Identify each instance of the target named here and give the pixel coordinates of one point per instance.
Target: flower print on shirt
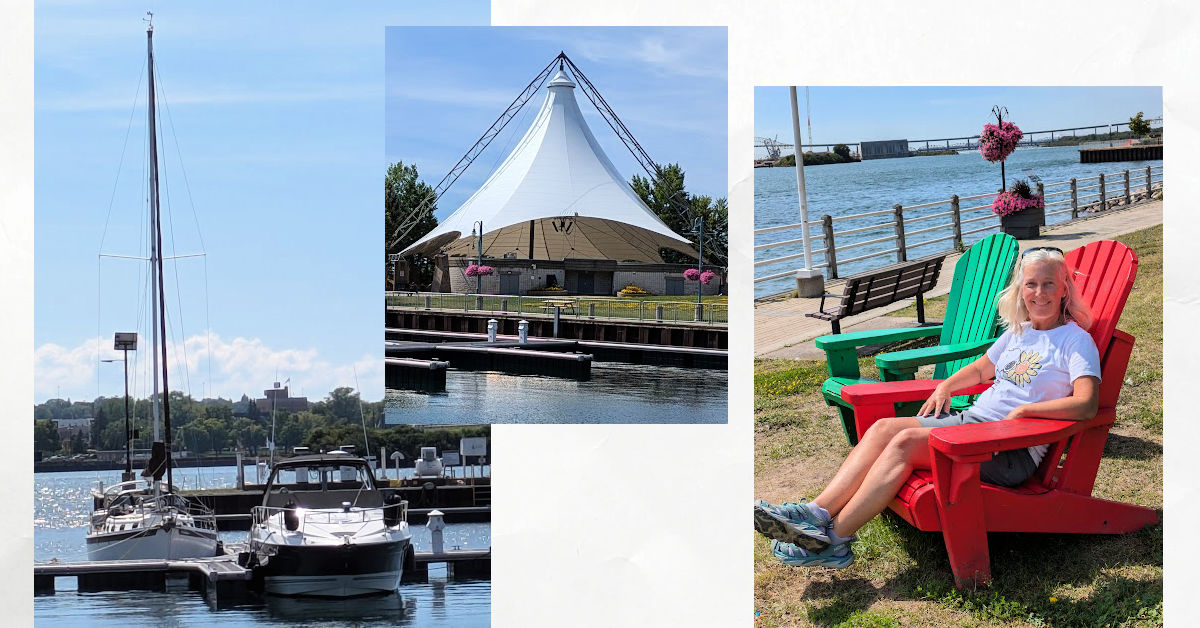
(1024, 369)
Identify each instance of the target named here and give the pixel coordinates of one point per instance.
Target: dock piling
(493, 325)
(523, 331)
(436, 526)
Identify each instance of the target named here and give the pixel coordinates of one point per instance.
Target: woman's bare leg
(850, 476)
(905, 451)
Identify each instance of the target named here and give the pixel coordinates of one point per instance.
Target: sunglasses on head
(1042, 248)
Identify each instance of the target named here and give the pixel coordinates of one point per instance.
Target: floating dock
(600, 350)
(221, 579)
(1137, 152)
(647, 332)
(405, 360)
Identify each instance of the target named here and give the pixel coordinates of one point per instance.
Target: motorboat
(326, 529)
(132, 521)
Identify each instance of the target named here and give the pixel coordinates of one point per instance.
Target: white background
(649, 525)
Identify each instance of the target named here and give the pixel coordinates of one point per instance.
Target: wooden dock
(600, 350)
(220, 578)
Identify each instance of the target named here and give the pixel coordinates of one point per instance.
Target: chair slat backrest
(1104, 272)
(979, 275)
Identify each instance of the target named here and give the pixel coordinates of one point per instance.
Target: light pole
(478, 255)
(126, 342)
(700, 261)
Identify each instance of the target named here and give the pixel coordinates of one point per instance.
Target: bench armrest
(899, 364)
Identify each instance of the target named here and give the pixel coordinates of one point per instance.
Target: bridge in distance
(772, 148)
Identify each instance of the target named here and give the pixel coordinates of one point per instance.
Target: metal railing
(1122, 187)
(565, 307)
(264, 514)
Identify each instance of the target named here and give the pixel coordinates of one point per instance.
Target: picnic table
(565, 305)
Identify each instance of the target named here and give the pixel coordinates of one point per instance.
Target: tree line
(209, 426)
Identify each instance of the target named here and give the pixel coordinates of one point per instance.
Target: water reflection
(616, 393)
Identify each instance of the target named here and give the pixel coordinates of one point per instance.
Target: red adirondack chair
(1058, 498)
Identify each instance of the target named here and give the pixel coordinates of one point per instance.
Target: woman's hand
(1017, 412)
(938, 402)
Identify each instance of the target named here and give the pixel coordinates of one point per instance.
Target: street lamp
(478, 255)
(126, 342)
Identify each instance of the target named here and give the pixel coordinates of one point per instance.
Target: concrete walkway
(781, 329)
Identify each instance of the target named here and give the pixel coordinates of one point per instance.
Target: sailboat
(133, 520)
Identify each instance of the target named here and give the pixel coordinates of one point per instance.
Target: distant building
(277, 398)
(884, 149)
(67, 428)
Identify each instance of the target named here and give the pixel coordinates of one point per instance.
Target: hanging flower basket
(997, 142)
(707, 276)
(1021, 211)
(480, 270)
(692, 274)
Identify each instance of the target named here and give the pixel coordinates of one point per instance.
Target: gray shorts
(1006, 468)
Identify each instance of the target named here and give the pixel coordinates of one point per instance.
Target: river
(62, 506)
(878, 184)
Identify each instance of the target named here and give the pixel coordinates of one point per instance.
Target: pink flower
(479, 271)
(707, 276)
(692, 274)
(997, 142)
(1009, 202)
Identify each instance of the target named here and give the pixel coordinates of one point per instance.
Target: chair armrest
(897, 392)
(907, 362)
(874, 337)
(973, 439)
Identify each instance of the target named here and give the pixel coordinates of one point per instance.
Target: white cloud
(237, 366)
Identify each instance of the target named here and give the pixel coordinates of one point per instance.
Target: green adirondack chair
(969, 328)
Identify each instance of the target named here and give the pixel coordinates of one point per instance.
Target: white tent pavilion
(555, 197)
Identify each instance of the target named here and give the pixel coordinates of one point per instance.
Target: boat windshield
(323, 476)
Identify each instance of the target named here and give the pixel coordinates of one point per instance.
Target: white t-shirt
(1037, 366)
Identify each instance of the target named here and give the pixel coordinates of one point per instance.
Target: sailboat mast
(152, 160)
(156, 264)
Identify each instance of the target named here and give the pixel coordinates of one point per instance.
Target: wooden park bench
(883, 286)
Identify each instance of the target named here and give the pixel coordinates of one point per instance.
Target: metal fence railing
(894, 238)
(567, 307)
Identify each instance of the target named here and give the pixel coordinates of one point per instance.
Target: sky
(854, 114)
(272, 134)
(446, 86)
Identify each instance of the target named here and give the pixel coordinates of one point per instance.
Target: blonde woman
(1045, 364)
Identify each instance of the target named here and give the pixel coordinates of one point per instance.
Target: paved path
(781, 330)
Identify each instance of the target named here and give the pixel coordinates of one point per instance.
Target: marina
(456, 575)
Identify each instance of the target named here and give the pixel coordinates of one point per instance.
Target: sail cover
(557, 186)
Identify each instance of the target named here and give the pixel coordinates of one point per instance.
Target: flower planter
(1024, 224)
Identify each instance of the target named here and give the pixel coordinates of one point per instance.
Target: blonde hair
(1011, 307)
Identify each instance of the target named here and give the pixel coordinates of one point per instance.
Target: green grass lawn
(902, 577)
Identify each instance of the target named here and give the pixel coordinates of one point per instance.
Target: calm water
(616, 393)
(62, 503)
(876, 185)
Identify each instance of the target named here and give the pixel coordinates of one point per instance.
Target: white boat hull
(153, 543)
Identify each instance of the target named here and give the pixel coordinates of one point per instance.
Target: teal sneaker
(835, 556)
(792, 523)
